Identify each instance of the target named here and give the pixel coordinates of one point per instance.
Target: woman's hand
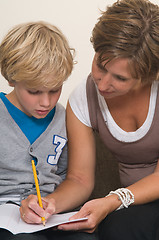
(31, 212)
(95, 210)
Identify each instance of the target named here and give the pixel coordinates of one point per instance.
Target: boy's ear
(11, 83)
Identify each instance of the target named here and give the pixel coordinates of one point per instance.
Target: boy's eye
(54, 91)
(33, 92)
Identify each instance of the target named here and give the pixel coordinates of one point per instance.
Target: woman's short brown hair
(130, 29)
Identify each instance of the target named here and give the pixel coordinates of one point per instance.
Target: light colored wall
(76, 18)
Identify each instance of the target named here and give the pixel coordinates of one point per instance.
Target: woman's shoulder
(78, 95)
(79, 90)
(78, 103)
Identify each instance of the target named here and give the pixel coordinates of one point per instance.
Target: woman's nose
(104, 82)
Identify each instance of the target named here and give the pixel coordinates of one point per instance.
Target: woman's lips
(103, 93)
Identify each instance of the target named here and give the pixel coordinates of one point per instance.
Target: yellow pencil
(37, 189)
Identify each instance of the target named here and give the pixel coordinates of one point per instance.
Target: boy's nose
(45, 100)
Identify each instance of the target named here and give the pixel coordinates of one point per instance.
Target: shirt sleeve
(79, 105)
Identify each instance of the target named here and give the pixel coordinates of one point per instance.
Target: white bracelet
(125, 196)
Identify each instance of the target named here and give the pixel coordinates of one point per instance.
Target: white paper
(10, 219)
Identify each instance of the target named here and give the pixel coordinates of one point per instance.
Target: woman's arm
(144, 191)
(147, 189)
(79, 182)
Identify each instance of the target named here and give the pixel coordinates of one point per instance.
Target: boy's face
(34, 102)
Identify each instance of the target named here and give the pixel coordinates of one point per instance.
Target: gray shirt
(16, 153)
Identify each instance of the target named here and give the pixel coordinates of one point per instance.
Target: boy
(35, 59)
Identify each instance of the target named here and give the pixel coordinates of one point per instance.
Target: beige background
(75, 18)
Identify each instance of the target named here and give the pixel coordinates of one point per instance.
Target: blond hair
(32, 52)
(130, 29)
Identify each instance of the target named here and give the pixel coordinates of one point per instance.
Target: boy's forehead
(44, 89)
(44, 84)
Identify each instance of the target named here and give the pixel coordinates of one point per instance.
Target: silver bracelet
(125, 196)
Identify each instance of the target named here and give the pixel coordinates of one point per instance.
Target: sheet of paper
(10, 219)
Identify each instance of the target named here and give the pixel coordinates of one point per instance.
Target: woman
(119, 100)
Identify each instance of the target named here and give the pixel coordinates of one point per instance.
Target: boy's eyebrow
(56, 88)
(43, 90)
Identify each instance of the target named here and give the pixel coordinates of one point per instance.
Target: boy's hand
(31, 212)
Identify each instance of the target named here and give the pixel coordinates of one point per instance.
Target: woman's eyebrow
(121, 77)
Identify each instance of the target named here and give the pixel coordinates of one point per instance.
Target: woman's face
(113, 79)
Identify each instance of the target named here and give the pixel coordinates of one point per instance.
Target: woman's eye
(121, 78)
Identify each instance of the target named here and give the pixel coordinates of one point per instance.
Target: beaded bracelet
(125, 196)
